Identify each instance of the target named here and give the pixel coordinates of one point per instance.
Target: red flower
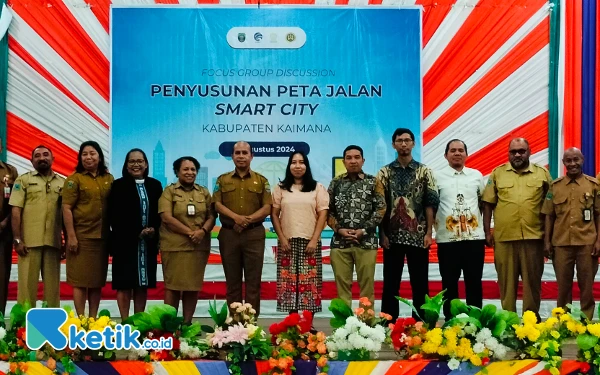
(307, 315)
(410, 321)
(584, 367)
(21, 333)
(176, 342)
(485, 361)
(312, 262)
(292, 320)
(274, 329)
(285, 262)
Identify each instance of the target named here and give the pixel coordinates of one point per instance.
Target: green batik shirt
(408, 191)
(355, 204)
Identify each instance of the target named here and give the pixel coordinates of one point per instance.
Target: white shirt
(458, 217)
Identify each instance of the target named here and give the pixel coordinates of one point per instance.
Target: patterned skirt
(299, 277)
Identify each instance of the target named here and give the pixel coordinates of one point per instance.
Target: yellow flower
(442, 350)
(554, 371)
(558, 311)
(429, 347)
(565, 318)
(572, 326)
(521, 332)
(581, 329)
(555, 334)
(594, 329)
(529, 317)
(434, 336)
(587, 355)
(550, 322)
(533, 334)
(542, 353)
(475, 360)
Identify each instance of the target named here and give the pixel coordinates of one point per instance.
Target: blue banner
(193, 81)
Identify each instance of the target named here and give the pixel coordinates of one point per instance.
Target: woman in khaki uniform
(187, 218)
(84, 203)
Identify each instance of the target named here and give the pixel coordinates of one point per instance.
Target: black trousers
(465, 256)
(417, 259)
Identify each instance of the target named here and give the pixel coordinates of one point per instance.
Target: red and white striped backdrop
(485, 80)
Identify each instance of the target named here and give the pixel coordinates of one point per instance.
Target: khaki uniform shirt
(6, 169)
(518, 198)
(88, 197)
(40, 199)
(242, 195)
(566, 201)
(175, 200)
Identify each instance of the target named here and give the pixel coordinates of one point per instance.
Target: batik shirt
(408, 191)
(355, 204)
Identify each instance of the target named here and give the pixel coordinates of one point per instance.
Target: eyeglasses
(134, 162)
(403, 140)
(521, 151)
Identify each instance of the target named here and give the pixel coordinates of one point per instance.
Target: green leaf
(207, 329)
(586, 341)
(108, 354)
(509, 317)
(466, 320)
(337, 323)
(104, 312)
(409, 304)
(474, 312)
(170, 323)
(162, 309)
(44, 304)
(340, 309)
(191, 330)
(499, 329)
(17, 316)
(458, 307)
(487, 314)
(576, 313)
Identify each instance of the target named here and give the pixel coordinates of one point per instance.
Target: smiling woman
(134, 220)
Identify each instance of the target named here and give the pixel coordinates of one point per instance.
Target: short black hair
(177, 163)
(401, 131)
(456, 140)
(102, 169)
(124, 171)
(40, 146)
(353, 147)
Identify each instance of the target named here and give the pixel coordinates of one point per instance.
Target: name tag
(191, 210)
(7, 192)
(587, 215)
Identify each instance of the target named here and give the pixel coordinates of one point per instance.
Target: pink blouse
(299, 211)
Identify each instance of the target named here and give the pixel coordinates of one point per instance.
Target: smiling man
(459, 226)
(515, 193)
(243, 200)
(36, 225)
(572, 209)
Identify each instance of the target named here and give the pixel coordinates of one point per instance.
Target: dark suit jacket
(125, 214)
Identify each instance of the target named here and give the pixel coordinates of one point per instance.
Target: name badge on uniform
(191, 209)
(7, 192)
(587, 215)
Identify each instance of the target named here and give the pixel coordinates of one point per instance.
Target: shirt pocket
(34, 193)
(256, 191)
(228, 192)
(201, 208)
(561, 204)
(179, 206)
(505, 190)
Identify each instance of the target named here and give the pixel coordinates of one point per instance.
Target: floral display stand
(421, 367)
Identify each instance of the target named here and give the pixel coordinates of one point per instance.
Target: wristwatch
(364, 232)
(205, 231)
(16, 241)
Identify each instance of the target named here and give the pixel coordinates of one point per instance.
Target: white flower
(235, 305)
(470, 329)
(463, 315)
(491, 343)
(332, 355)
(500, 352)
(478, 348)
(251, 329)
(483, 335)
(246, 317)
(453, 364)
(228, 320)
(240, 309)
(2, 333)
(252, 311)
(132, 356)
(247, 306)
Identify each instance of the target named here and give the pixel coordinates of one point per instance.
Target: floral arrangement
(358, 334)
(295, 341)
(237, 338)
(162, 321)
(407, 336)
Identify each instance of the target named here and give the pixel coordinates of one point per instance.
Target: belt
(251, 226)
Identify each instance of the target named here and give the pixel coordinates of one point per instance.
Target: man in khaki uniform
(515, 193)
(572, 209)
(243, 200)
(36, 225)
(8, 174)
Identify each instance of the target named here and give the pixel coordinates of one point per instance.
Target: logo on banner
(242, 37)
(290, 37)
(258, 37)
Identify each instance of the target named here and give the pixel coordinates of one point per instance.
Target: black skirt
(131, 268)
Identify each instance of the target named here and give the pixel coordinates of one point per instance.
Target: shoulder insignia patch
(549, 195)
(17, 187)
(70, 185)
